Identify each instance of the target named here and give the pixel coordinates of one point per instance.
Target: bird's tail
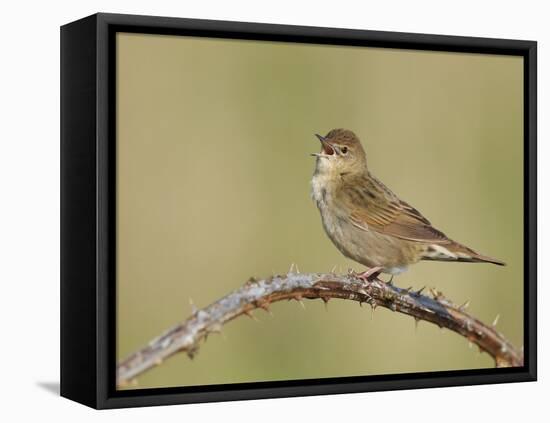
(453, 251)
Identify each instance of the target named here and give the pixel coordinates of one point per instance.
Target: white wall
(29, 170)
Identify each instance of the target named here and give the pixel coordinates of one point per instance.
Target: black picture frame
(88, 202)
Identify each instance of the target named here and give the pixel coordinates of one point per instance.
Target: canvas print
(290, 211)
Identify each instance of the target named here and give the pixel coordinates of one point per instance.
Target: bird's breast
(322, 192)
(319, 189)
(333, 218)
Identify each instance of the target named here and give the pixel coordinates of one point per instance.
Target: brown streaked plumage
(366, 221)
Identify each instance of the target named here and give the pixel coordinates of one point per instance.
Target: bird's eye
(344, 150)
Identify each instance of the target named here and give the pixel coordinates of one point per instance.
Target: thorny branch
(186, 336)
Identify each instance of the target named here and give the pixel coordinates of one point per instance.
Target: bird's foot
(369, 275)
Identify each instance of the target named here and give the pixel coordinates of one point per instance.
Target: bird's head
(341, 153)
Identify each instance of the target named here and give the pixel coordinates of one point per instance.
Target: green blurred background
(213, 174)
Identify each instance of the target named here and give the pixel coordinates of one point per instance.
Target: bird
(367, 222)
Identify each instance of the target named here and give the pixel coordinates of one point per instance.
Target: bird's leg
(370, 275)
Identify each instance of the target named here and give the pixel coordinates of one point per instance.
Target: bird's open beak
(328, 149)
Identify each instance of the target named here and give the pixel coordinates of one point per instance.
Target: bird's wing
(372, 206)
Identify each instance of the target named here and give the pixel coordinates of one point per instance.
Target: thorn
(496, 320)
(419, 292)
(408, 289)
(464, 306)
(372, 308)
(251, 280)
(291, 268)
(249, 314)
(416, 320)
(333, 269)
(301, 303)
(192, 351)
(297, 269)
(390, 282)
(215, 328)
(325, 302)
(436, 295)
(265, 306)
(194, 310)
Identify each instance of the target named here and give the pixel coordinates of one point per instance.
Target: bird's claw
(369, 275)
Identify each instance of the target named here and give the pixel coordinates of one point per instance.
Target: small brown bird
(366, 221)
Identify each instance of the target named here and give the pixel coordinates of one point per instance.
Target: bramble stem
(186, 336)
